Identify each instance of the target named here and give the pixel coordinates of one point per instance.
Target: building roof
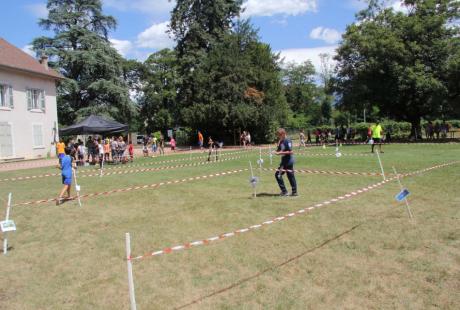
(14, 58)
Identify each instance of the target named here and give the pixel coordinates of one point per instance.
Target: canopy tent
(94, 125)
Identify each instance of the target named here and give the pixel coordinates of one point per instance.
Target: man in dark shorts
(287, 163)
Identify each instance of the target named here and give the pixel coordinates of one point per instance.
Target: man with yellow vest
(377, 133)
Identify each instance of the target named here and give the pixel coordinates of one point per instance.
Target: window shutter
(42, 100)
(10, 94)
(29, 99)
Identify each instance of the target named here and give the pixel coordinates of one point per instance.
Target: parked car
(140, 139)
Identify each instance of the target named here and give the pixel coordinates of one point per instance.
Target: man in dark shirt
(287, 163)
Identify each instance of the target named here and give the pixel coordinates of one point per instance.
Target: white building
(28, 114)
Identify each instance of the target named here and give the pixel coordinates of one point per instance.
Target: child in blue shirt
(287, 163)
(66, 167)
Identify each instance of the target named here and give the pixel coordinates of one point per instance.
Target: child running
(287, 163)
(66, 167)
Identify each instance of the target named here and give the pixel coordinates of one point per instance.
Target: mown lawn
(358, 253)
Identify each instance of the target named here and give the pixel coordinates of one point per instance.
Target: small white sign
(77, 187)
(7, 226)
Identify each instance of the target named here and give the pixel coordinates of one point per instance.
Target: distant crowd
(438, 130)
(97, 150)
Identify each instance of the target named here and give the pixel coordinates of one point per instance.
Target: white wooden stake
(132, 297)
(77, 187)
(271, 155)
(405, 198)
(190, 153)
(381, 166)
(5, 234)
(260, 161)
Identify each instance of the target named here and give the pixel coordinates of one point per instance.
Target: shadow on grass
(262, 195)
(260, 273)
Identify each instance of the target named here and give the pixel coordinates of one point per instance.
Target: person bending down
(66, 167)
(287, 163)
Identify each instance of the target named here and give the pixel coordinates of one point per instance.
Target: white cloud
(157, 7)
(328, 35)
(156, 37)
(300, 55)
(123, 47)
(398, 6)
(278, 7)
(28, 49)
(38, 10)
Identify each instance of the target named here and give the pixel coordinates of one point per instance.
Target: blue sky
(299, 29)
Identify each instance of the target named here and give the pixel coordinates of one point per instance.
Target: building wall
(22, 120)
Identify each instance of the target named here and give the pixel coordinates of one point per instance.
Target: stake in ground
(360, 253)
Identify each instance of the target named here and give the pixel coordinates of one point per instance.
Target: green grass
(68, 257)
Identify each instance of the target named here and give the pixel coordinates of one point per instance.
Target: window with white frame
(37, 130)
(36, 99)
(6, 96)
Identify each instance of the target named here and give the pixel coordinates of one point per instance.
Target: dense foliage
(81, 52)
(405, 63)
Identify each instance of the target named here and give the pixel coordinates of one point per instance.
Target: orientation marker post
(5, 238)
(381, 166)
(132, 297)
(405, 198)
(253, 179)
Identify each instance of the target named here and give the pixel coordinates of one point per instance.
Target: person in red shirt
(131, 150)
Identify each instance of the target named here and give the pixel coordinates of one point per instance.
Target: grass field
(358, 253)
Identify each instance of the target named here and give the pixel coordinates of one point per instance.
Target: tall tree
(80, 50)
(326, 72)
(300, 87)
(197, 25)
(399, 61)
(160, 82)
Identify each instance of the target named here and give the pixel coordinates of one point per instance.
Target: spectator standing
(60, 149)
(437, 129)
(161, 144)
(200, 140)
(131, 150)
(302, 139)
(173, 144)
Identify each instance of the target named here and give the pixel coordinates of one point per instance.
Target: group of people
(98, 150)
(154, 144)
(438, 130)
(323, 136)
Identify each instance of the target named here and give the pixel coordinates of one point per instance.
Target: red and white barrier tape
(128, 189)
(84, 173)
(347, 196)
(373, 174)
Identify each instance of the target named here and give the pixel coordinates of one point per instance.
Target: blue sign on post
(402, 195)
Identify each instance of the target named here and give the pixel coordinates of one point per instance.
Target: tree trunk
(416, 129)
